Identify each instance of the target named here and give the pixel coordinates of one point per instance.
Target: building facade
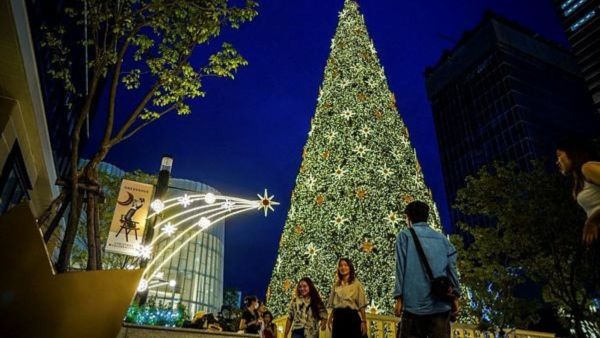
(27, 169)
(199, 266)
(503, 93)
(581, 22)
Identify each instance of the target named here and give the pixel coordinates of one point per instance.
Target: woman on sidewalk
(348, 302)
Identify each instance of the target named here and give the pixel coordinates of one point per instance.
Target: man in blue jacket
(423, 315)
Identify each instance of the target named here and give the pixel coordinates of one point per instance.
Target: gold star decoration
(361, 193)
(407, 199)
(302, 168)
(287, 284)
(378, 115)
(298, 229)
(418, 167)
(325, 154)
(367, 246)
(304, 152)
(320, 199)
(361, 96)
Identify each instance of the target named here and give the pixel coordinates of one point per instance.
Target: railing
(379, 326)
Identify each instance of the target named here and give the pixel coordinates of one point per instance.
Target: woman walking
(348, 302)
(306, 312)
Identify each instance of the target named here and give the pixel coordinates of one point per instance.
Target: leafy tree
(142, 50)
(537, 238)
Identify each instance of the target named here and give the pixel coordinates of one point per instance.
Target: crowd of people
(427, 288)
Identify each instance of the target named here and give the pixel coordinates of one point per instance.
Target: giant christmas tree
(358, 172)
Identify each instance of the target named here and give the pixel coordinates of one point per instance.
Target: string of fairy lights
(191, 215)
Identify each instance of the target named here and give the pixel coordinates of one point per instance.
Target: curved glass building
(198, 267)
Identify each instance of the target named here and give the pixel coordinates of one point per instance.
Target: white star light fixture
(169, 229)
(185, 200)
(157, 205)
(183, 223)
(210, 198)
(266, 202)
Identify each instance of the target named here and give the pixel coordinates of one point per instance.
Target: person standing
(348, 302)
(251, 321)
(422, 314)
(579, 159)
(306, 311)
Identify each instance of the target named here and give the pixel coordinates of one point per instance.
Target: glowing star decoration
(347, 114)
(204, 222)
(367, 246)
(361, 193)
(210, 198)
(385, 171)
(143, 251)
(365, 131)
(159, 275)
(331, 136)
(339, 220)
(346, 83)
(361, 150)
(228, 205)
(339, 173)
(143, 286)
(373, 308)
(311, 250)
(172, 283)
(392, 218)
(184, 200)
(157, 205)
(169, 229)
(266, 202)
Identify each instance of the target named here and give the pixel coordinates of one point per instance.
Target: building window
(572, 9)
(14, 181)
(583, 20)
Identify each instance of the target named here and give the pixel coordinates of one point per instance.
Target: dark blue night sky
(248, 134)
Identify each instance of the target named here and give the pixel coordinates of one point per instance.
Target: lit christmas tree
(358, 172)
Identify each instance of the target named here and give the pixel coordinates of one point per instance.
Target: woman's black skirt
(346, 323)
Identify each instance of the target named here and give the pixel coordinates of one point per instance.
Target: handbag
(441, 287)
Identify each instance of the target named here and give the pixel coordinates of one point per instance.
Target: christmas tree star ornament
(266, 202)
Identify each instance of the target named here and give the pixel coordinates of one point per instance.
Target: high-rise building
(503, 93)
(581, 22)
(199, 266)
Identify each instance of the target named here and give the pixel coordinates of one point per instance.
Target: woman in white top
(348, 302)
(577, 157)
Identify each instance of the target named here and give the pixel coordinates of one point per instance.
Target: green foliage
(537, 238)
(157, 314)
(358, 172)
(150, 42)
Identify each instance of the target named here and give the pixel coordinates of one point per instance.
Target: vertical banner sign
(129, 219)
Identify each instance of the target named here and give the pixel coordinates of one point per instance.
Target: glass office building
(503, 93)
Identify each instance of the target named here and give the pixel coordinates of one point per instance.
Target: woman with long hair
(306, 311)
(269, 328)
(348, 302)
(578, 158)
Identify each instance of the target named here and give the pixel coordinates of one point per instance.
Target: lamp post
(162, 185)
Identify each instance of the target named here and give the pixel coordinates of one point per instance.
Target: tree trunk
(91, 233)
(66, 246)
(57, 217)
(54, 205)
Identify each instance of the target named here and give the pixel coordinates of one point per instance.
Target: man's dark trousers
(424, 326)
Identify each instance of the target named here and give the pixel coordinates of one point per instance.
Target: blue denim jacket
(412, 283)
